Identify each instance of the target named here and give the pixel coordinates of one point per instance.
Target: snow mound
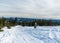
(41, 34)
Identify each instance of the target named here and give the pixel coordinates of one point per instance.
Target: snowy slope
(19, 34)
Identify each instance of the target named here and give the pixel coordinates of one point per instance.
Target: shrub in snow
(8, 27)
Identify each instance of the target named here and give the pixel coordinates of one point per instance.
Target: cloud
(33, 8)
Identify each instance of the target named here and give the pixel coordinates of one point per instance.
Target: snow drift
(19, 34)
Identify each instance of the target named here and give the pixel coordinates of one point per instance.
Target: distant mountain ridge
(33, 19)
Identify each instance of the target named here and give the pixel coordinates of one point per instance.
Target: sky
(30, 8)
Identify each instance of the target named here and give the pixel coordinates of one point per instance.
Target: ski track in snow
(19, 34)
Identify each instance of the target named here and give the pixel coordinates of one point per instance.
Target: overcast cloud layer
(30, 8)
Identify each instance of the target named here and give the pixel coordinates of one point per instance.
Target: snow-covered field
(19, 34)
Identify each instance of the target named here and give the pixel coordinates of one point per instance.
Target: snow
(41, 34)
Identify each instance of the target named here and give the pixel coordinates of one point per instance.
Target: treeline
(7, 22)
(14, 21)
(47, 23)
(40, 23)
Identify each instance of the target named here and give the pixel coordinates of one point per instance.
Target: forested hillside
(27, 22)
